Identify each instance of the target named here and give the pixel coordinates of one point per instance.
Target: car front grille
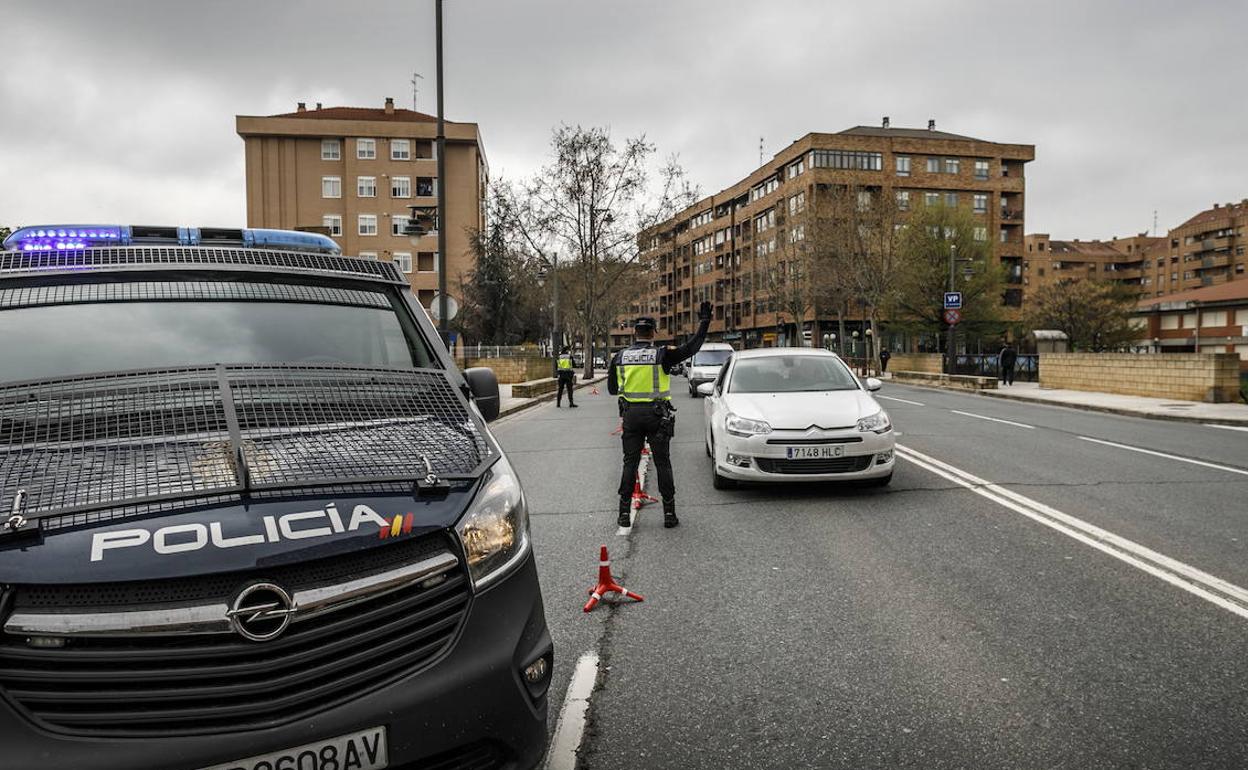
(831, 465)
(182, 684)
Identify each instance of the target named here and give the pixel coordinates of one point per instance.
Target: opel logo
(261, 612)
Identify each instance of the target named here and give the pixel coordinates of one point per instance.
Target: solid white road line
(1226, 427)
(632, 512)
(994, 419)
(902, 400)
(1202, 463)
(1212, 589)
(571, 725)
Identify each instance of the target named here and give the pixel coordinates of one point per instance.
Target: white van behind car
(706, 363)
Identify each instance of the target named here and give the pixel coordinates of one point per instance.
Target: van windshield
(72, 339)
(711, 357)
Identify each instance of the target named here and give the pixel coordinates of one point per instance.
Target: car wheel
(880, 482)
(718, 481)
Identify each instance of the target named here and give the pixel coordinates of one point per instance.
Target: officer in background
(565, 375)
(641, 376)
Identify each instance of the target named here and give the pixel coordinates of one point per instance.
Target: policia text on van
(252, 515)
(641, 376)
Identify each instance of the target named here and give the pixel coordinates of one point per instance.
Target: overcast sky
(124, 111)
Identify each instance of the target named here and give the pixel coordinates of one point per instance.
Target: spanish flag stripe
(407, 523)
(398, 523)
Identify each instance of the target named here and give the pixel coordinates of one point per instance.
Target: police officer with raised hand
(641, 376)
(565, 376)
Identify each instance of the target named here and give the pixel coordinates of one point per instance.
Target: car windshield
(790, 374)
(711, 357)
(64, 340)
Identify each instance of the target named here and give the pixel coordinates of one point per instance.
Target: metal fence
(1026, 367)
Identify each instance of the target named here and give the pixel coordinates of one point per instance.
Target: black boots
(625, 518)
(669, 514)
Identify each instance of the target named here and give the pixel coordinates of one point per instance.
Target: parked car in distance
(705, 364)
(795, 414)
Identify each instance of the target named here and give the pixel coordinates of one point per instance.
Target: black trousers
(1007, 374)
(640, 424)
(565, 381)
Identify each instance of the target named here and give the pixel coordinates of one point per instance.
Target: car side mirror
(874, 384)
(706, 389)
(484, 386)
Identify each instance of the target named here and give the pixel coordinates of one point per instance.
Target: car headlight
(495, 529)
(876, 423)
(743, 426)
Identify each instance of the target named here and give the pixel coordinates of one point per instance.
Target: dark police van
(251, 516)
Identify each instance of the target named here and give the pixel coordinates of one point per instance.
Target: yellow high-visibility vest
(565, 363)
(641, 378)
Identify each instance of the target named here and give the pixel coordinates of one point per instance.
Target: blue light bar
(76, 237)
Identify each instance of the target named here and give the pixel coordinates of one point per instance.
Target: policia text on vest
(566, 377)
(641, 376)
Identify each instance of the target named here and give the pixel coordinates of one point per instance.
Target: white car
(795, 414)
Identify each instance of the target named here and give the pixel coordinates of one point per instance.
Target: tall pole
(554, 312)
(443, 321)
(953, 252)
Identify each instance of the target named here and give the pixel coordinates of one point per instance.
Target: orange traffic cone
(640, 497)
(593, 391)
(619, 429)
(607, 585)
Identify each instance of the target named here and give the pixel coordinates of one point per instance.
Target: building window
(398, 224)
(864, 200)
(331, 149)
(403, 261)
(981, 169)
(401, 149)
(1213, 318)
(981, 203)
(951, 199)
(400, 187)
(797, 234)
(366, 187)
(796, 169)
(933, 165)
(981, 234)
(1005, 235)
(903, 165)
(425, 188)
(368, 255)
(761, 191)
(952, 165)
(903, 200)
(931, 199)
(367, 224)
(847, 159)
(426, 262)
(797, 203)
(365, 149)
(333, 223)
(331, 187)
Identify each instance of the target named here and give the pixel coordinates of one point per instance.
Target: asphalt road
(937, 623)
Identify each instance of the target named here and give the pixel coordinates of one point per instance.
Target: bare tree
(586, 207)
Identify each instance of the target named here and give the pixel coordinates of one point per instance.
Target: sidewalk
(508, 405)
(1135, 406)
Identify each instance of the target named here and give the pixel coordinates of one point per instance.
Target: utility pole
(953, 253)
(443, 321)
(554, 310)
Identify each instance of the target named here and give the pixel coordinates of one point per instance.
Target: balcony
(1012, 215)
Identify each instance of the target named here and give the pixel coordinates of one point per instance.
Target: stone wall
(915, 362)
(956, 381)
(1212, 377)
(513, 370)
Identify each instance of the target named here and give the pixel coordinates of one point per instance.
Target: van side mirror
(484, 386)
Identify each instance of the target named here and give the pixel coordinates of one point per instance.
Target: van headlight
(495, 529)
(744, 426)
(876, 423)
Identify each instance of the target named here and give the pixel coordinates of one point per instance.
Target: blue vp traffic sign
(953, 300)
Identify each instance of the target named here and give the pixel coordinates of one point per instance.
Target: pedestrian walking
(640, 375)
(884, 356)
(566, 377)
(1005, 361)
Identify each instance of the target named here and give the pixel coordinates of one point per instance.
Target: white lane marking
(902, 400)
(636, 506)
(1226, 427)
(570, 728)
(1202, 463)
(994, 419)
(1212, 589)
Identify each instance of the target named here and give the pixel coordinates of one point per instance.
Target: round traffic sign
(452, 308)
(952, 316)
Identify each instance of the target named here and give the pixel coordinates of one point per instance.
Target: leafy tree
(5, 232)
(1096, 315)
(923, 249)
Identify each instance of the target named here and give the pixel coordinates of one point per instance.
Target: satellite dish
(452, 308)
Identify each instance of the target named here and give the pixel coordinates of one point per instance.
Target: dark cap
(645, 322)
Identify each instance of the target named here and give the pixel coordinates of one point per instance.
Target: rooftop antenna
(760, 150)
(416, 78)
(1154, 221)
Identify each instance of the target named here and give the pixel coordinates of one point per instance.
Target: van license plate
(820, 452)
(365, 750)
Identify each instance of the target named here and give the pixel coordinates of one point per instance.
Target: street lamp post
(953, 258)
(443, 321)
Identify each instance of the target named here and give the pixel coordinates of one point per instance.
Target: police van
(251, 516)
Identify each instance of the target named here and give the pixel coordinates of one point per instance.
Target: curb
(545, 397)
(1090, 407)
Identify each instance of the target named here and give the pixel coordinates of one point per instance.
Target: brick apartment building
(1211, 319)
(351, 172)
(711, 250)
(1206, 250)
